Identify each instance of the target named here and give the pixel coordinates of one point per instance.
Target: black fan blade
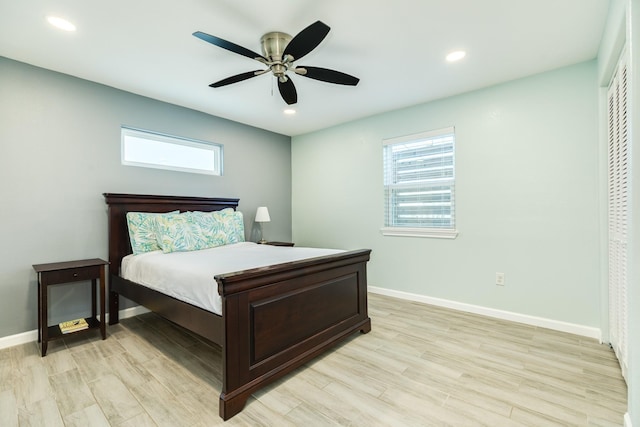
(326, 75)
(306, 40)
(288, 91)
(237, 78)
(228, 45)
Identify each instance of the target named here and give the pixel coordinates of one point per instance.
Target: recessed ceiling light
(456, 56)
(289, 111)
(60, 23)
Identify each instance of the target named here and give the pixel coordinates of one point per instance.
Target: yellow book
(73, 325)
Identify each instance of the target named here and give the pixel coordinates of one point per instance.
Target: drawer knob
(75, 274)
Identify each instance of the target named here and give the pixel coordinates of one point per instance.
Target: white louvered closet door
(619, 210)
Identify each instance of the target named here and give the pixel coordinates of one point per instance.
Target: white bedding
(189, 276)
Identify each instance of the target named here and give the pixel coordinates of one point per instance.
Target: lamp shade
(262, 214)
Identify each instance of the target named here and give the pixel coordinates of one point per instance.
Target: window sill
(420, 232)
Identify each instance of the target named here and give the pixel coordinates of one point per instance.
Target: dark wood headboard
(120, 204)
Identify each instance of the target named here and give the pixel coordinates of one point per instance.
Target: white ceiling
(396, 48)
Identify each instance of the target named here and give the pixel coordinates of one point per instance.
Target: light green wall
(60, 150)
(526, 197)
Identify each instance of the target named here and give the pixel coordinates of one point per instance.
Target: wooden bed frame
(274, 319)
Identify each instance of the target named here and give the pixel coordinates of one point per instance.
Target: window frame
(429, 232)
(217, 149)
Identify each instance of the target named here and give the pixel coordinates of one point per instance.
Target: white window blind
(618, 210)
(419, 184)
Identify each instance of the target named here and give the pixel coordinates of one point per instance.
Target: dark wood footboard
(280, 317)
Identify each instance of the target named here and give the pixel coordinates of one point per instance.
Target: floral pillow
(142, 231)
(220, 227)
(232, 224)
(178, 233)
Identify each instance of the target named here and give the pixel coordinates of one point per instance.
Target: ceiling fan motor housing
(273, 45)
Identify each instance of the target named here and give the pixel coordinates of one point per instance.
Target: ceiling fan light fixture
(61, 23)
(456, 55)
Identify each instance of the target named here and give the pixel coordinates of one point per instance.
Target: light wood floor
(419, 366)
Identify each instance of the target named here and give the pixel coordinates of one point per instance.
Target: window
(419, 184)
(154, 150)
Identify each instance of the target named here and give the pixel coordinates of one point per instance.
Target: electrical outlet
(500, 279)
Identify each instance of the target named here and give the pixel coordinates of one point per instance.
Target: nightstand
(279, 243)
(67, 272)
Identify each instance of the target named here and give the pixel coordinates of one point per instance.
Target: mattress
(189, 276)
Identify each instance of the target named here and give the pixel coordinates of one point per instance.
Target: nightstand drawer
(70, 275)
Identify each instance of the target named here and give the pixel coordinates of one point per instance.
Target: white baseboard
(627, 420)
(557, 325)
(29, 336)
(18, 339)
(131, 312)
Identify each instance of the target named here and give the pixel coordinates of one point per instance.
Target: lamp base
(262, 241)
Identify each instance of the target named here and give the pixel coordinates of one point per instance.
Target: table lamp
(262, 215)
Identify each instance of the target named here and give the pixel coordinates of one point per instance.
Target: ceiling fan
(279, 52)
